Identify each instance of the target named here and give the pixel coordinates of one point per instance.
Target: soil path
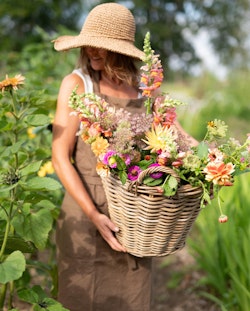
(176, 284)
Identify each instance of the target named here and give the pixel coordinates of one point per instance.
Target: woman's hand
(107, 228)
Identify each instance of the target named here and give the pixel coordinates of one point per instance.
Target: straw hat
(110, 26)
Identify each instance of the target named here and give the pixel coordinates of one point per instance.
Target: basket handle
(155, 169)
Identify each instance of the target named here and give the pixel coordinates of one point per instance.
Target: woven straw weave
(150, 223)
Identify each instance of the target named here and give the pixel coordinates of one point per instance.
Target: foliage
(19, 22)
(225, 255)
(28, 203)
(224, 21)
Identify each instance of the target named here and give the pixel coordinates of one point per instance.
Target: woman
(95, 272)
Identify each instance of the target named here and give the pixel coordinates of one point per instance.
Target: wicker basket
(151, 224)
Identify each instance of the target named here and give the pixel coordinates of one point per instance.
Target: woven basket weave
(151, 224)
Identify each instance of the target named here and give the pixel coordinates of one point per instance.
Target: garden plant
(28, 197)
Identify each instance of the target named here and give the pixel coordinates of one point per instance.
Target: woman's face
(97, 57)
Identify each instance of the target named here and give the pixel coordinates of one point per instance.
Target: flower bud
(223, 218)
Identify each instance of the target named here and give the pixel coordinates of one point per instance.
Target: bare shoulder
(70, 81)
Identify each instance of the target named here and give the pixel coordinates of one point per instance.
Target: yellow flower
(30, 133)
(160, 139)
(99, 146)
(12, 83)
(46, 169)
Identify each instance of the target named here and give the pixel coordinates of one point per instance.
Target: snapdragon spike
(152, 73)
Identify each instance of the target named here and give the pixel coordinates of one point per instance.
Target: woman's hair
(118, 66)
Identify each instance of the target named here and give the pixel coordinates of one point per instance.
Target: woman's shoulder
(77, 77)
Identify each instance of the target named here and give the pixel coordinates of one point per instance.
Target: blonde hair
(118, 67)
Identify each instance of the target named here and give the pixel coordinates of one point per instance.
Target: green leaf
(172, 182)
(32, 295)
(121, 166)
(37, 120)
(12, 267)
(123, 176)
(147, 180)
(28, 295)
(170, 186)
(153, 182)
(202, 151)
(31, 168)
(18, 243)
(3, 124)
(8, 188)
(35, 227)
(42, 183)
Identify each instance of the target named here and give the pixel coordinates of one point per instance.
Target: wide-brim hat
(109, 26)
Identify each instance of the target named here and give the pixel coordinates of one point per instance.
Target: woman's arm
(191, 140)
(65, 127)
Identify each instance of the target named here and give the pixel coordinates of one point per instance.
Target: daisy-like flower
(133, 172)
(219, 173)
(12, 83)
(216, 129)
(161, 139)
(99, 146)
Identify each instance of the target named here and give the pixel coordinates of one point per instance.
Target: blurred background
(205, 52)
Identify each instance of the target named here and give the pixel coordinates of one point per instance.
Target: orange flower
(102, 169)
(219, 173)
(12, 83)
(99, 146)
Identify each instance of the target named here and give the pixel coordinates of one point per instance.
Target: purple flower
(157, 174)
(133, 172)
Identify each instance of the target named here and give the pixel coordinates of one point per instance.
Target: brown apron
(92, 276)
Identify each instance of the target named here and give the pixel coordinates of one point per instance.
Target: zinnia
(219, 173)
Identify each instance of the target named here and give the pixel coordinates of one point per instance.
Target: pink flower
(133, 172)
(108, 159)
(219, 173)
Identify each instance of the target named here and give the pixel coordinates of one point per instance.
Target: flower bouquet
(155, 181)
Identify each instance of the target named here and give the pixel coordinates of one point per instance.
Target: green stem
(14, 103)
(11, 295)
(219, 203)
(3, 292)
(7, 228)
